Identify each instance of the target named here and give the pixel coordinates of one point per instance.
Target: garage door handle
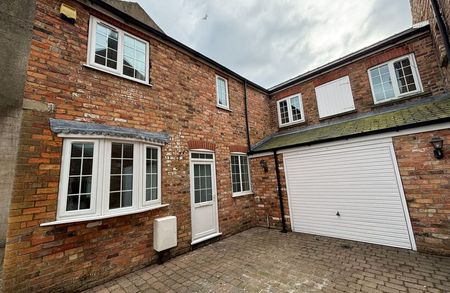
(338, 214)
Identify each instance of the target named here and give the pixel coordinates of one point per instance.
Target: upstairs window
(222, 92)
(106, 46)
(117, 52)
(395, 79)
(290, 110)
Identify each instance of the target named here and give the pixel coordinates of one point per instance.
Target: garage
(348, 190)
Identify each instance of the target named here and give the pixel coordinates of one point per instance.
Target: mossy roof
(429, 111)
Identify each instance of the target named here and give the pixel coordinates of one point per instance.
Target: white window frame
(288, 99)
(244, 192)
(226, 107)
(393, 76)
(144, 159)
(120, 57)
(101, 180)
(64, 181)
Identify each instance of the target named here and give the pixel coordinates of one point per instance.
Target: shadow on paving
(266, 260)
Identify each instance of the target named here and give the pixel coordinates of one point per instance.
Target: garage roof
(418, 113)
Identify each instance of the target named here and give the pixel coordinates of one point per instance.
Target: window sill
(242, 194)
(94, 218)
(302, 122)
(224, 108)
(118, 75)
(338, 114)
(401, 99)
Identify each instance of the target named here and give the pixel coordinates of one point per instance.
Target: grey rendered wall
(16, 19)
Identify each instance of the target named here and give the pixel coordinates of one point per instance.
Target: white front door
(205, 224)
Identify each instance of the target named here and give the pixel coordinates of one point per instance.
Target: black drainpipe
(442, 27)
(280, 195)
(247, 128)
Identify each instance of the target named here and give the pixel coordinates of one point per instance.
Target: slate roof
(417, 28)
(418, 113)
(133, 14)
(75, 127)
(135, 10)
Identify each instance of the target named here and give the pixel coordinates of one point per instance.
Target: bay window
(101, 177)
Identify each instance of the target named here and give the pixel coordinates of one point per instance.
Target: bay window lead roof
(59, 126)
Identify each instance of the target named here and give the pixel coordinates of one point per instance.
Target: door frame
(343, 145)
(214, 189)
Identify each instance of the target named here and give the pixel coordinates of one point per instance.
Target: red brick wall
(181, 102)
(261, 122)
(421, 10)
(426, 182)
(359, 79)
(268, 213)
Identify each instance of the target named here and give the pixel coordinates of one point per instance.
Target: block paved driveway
(263, 260)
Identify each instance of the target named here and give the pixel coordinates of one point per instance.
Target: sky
(271, 41)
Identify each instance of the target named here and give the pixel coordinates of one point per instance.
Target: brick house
(120, 125)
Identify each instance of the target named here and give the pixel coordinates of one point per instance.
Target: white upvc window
(118, 52)
(222, 92)
(240, 174)
(290, 110)
(395, 79)
(101, 177)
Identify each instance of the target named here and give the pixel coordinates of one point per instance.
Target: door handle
(338, 214)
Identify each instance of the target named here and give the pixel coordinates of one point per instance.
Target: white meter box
(164, 233)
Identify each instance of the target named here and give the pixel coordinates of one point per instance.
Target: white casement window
(222, 92)
(117, 52)
(101, 177)
(395, 79)
(290, 110)
(334, 97)
(240, 174)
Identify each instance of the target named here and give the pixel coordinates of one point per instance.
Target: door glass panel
(202, 183)
(201, 156)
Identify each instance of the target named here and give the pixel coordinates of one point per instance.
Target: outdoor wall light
(437, 143)
(263, 164)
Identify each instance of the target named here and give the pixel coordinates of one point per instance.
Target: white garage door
(350, 191)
